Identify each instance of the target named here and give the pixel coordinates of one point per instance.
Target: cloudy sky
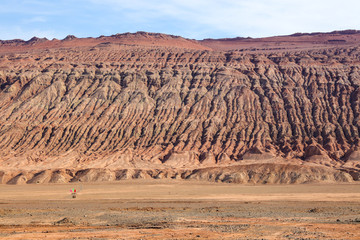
(196, 19)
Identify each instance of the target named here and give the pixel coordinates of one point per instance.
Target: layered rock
(249, 174)
(112, 106)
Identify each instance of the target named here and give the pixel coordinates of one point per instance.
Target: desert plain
(178, 209)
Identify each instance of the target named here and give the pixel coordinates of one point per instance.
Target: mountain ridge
(236, 43)
(177, 110)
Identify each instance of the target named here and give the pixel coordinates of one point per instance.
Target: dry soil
(159, 209)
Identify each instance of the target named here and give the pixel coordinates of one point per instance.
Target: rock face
(171, 110)
(249, 174)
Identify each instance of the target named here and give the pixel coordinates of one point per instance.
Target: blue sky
(196, 19)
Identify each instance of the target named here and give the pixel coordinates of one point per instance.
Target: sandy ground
(160, 209)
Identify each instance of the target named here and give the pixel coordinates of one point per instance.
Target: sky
(195, 19)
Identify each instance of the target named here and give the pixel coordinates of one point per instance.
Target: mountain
(149, 105)
(294, 42)
(143, 39)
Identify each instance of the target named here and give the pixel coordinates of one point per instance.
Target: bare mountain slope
(294, 42)
(143, 39)
(110, 111)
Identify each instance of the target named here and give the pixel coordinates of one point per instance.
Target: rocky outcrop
(250, 174)
(130, 107)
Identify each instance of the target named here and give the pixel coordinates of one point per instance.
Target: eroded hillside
(174, 111)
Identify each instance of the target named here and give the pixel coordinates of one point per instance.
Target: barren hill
(294, 42)
(151, 105)
(143, 39)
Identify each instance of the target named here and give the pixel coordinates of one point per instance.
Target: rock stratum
(149, 105)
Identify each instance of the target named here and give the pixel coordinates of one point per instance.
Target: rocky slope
(294, 42)
(107, 109)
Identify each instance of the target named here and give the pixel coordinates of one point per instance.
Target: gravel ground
(89, 217)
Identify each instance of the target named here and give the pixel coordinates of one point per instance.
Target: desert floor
(160, 209)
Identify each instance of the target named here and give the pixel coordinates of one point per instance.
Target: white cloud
(247, 17)
(26, 34)
(37, 19)
(189, 18)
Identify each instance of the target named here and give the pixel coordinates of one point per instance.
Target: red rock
(122, 105)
